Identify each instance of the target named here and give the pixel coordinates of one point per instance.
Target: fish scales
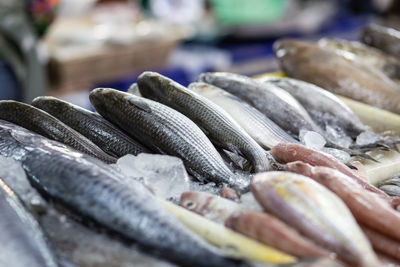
(100, 131)
(165, 130)
(272, 101)
(256, 124)
(217, 124)
(91, 188)
(45, 124)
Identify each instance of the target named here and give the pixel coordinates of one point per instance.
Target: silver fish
(45, 124)
(100, 131)
(277, 104)
(93, 189)
(165, 130)
(329, 111)
(217, 124)
(257, 125)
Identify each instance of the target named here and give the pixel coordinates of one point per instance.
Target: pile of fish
(282, 152)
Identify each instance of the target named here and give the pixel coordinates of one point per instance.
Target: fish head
(300, 168)
(156, 86)
(196, 201)
(291, 47)
(105, 98)
(49, 103)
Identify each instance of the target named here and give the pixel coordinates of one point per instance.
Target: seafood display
(315, 212)
(166, 131)
(227, 171)
(217, 124)
(307, 61)
(256, 124)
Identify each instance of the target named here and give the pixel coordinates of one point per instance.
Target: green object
(239, 12)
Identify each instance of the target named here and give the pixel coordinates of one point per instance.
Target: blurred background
(65, 48)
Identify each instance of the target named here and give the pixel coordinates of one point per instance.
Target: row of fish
(318, 207)
(221, 112)
(93, 190)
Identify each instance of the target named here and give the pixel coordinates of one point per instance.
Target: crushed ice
(312, 139)
(368, 137)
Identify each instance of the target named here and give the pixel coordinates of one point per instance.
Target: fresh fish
(383, 38)
(367, 207)
(230, 194)
(273, 102)
(96, 191)
(167, 131)
(101, 132)
(329, 111)
(256, 124)
(383, 243)
(315, 212)
(323, 106)
(271, 231)
(323, 67)
(45, 124)
(357, 51)
(262, 227)
(23, 242)
(285, 153)
(210, 206)
(218, 125)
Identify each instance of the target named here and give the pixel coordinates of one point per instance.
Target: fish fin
(234, 149)
(139, 104)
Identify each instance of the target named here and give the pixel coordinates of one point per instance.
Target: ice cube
(338, 136)
(164, 175)
(312, 139)
(368, 137)
(338, 154)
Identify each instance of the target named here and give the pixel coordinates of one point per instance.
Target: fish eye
(189, 204)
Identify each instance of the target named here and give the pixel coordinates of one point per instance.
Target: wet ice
(368, 137)
(312, 139)
(164, 175)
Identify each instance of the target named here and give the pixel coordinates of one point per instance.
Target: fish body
(323, 106)
(285, 153)
(96, 191)
(165, 130)
(210, 206)
(256, 124)
(271, 231)
(275, 103)
(315, 212)
(367, 207)
(101, 132)
(218, 125)
(371, 56)
(323, 67)
(384, 38)
(45, 124)
(23, 242)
